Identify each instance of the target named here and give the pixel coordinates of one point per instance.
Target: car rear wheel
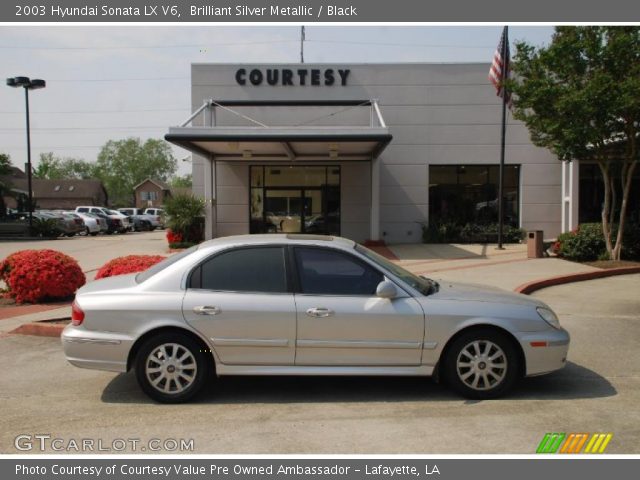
(481, 364)
(172, 368)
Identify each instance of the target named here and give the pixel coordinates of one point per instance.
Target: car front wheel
(172, 368)
(481, 364)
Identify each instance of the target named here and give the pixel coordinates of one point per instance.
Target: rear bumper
(545, 352)
(96, 350)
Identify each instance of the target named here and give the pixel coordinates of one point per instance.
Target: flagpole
(504, 73)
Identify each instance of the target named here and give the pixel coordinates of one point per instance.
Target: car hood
(471, 292)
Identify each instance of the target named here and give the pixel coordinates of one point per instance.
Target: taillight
(77, 315)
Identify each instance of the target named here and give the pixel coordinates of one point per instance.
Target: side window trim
(198, 268)
(354, 258)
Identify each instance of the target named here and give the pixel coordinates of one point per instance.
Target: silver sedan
(306, 305)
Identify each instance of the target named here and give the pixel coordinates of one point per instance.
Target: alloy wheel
(481, 365)
(171, 368)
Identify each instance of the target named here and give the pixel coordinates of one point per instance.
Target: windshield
(158, 267)
(425, 286)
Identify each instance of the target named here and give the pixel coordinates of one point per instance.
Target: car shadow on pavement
(573, 382)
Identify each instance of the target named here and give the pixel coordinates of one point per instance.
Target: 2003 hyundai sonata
(305, 305)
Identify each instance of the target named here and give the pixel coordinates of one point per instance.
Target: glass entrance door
(283, 210)
(278, 206)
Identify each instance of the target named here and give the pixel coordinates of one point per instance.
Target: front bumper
(96, 350)
(545, 352)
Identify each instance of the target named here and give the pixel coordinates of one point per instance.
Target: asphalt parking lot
(598, 391)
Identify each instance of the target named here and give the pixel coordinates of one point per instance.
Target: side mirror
(386, 289)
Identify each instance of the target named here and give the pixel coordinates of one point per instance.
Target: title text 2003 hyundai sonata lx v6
(305, 305)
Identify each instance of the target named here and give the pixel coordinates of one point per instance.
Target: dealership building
(368, 152)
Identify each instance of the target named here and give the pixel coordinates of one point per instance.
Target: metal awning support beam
(290, 153)
(376, 107)
(195, 114)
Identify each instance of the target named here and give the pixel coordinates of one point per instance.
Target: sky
(108, 82)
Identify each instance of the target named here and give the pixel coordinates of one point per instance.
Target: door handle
(319, 312)
(206, 310)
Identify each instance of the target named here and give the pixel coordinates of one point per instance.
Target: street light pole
(28, 84)
(29, 170)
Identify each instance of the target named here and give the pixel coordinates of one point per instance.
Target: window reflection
(295, 199)
(464, 194)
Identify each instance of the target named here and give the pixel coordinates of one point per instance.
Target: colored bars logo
(574, 442)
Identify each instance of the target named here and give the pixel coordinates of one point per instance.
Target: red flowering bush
(174, 237)
(37, 275)
(128, 264)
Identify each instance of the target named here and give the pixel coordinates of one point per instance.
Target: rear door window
(256, 269)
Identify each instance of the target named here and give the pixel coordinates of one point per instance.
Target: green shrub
(180, 245)
(440, 233)
(44, 227)
(451, 232)
(185, 217)
(631, 242)
(586, 243)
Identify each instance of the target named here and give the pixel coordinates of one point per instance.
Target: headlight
(548, 316)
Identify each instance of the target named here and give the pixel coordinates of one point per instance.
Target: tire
(179, 389)
(479, 374)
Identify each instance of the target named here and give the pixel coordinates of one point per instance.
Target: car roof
(278, 238)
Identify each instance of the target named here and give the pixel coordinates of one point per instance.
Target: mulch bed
(606, 264)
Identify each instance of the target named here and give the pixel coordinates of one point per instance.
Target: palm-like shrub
(185, 218)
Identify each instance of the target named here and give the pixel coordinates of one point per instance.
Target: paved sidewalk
(508, 268)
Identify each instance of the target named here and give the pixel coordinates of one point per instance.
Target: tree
(580, 98)
(122, 164)
(185, 181)
(5, 185)
(54, 168)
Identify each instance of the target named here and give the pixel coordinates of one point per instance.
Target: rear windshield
(158, 267)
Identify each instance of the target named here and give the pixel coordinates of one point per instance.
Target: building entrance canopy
(260, 142)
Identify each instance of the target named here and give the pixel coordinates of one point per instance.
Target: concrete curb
(530, 287)
(40, 329)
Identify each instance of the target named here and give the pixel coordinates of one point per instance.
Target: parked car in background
(77, 220)
(68, 224)
(141, 224)
(139, 212)
(93, 223)
(114, 222)
(306, 305)
(126, 221)
(159, 215)
(57, 227)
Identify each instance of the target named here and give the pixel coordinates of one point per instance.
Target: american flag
(500, 65)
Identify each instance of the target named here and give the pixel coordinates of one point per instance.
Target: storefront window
(591, 193)
(464, 194)
(295, 199)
